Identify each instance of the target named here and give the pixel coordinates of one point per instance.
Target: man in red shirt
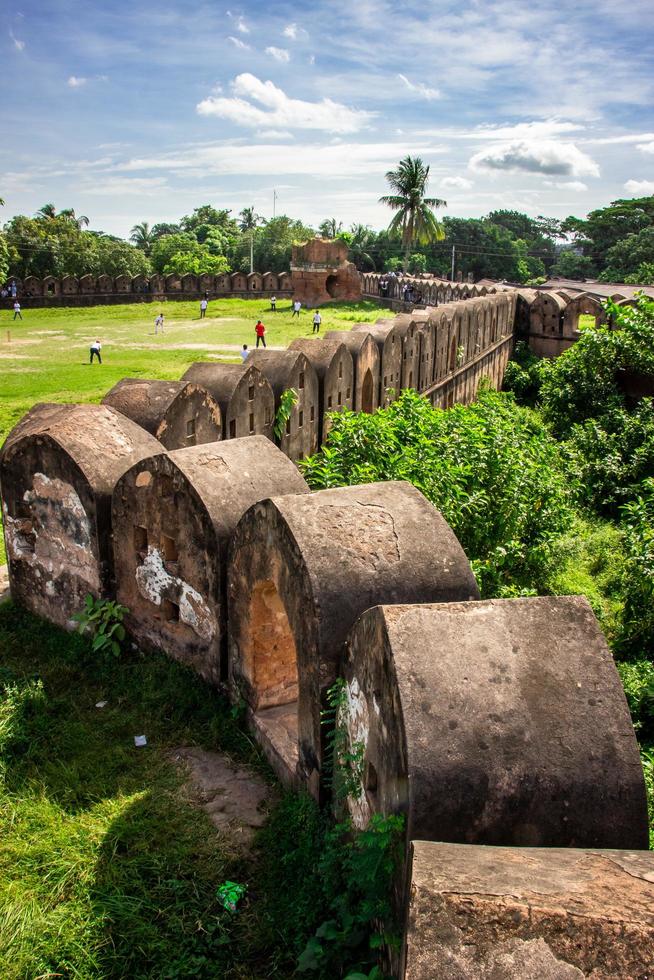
(260, 331)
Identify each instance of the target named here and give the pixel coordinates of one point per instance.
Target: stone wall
(482, 723)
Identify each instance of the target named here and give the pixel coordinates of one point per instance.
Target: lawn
(45, 356)
(107, 867)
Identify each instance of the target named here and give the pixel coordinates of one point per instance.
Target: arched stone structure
(70, 286)
(302, 570)
(581, 305)
(206, 282)
(332, 362)
(123, 284)
(88, 284)
(245, 397)
(223, 284)
(189, 283)
(285, 370)
(496, 722)
(177, 413)
(157, 283)
(173, 518)
(239, 282)
(270, 282)
(365, 360)
(173, 283)
(58, 469)
(32, 286)
(255, 282)
(389, 344)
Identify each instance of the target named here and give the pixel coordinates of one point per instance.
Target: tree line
(614, 244)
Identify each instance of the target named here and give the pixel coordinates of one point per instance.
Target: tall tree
(141, 235)
(249, 222)
(415, 221)
(48, 213)
(330, 227)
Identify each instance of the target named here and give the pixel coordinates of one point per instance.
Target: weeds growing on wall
(286, 402)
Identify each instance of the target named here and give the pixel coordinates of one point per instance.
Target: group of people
(9, 289)
(409, 292)
(260, 330)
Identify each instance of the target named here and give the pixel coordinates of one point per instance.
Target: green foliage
(4, 258)
(273, 243)
(647, 760)
(638, 681)
(183, 253)
(415, 222)
(524, 374)
(638, 585)
(571, 265)
(491, 468)
(344, 763)
(627, 255)
(417, 262)
(286, 402)
(643, 276)
(103, 619)
(605, 227)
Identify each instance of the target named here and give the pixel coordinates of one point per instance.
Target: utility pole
(274, 202)
(453, 254)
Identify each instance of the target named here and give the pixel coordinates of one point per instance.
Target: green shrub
(637, 637)
(524, 374)
(491, 468)
(638, 682)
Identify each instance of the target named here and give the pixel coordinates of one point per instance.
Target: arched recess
(452, 362)
(367, 392)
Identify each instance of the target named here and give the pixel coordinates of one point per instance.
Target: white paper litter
(140, 740)
(101, 704)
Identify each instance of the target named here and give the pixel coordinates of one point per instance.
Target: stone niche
(177, 413)
(321, 273)
(284, 370)
(245, 397)
(174, 515)
(332, 363)
(389, 343)
(302, 569)
(365, 361)
(495, 722)
(502, 913)
(58, 469)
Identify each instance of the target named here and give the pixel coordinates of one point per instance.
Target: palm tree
(361, 239)
(250, 220)
(142, 236)
(330, 227)
(48, 212)
(415, 221)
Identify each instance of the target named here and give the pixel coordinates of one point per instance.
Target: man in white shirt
(159, 324)
(244, 352)
(17, 312)
(96, 347)
(297, 306)
(203, 308)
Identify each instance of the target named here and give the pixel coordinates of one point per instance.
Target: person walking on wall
(95, 349)
(17, 312)
(203, 307)
(260, 331)
(297, 306)
(273, 304)
(245, 352)
(317, 320)
(159, 324)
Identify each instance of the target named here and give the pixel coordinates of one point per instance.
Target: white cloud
(421, 90)
(277, 111)
(567, 185)
(549, 157)
(640, 188)
(239, 21)
(147, 186)
(646, 147)
(540, 129)
(241, 45)
(456, 183)
(279, 54)
(291, 31)
(74, 82)
(312, 59)
(18, 44)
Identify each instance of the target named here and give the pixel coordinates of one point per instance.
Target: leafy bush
(103, 619)
(524, 374)
(638, 682)
(638, 582)
(491, 468)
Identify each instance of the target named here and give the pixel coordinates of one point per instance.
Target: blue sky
(137, 111)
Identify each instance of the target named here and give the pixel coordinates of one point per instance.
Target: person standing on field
(95, 349)
(17, 312)
(297, 306)
(273, 304)
(317, 320)
(260, 331)
(159, 324)
(203, 307)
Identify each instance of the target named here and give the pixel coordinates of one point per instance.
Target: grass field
(46, 355)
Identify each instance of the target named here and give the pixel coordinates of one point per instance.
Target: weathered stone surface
(173, 518)
(389, 343)
(285, 370)
(333, 365)
(58, 469)
(492, 913)
(302, 569)
(366, 360)
(321, 273)
(245, 397)
(177, 414)
(497, 722)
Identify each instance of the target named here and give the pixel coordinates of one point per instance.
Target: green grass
(106, 869)
(46, 358)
